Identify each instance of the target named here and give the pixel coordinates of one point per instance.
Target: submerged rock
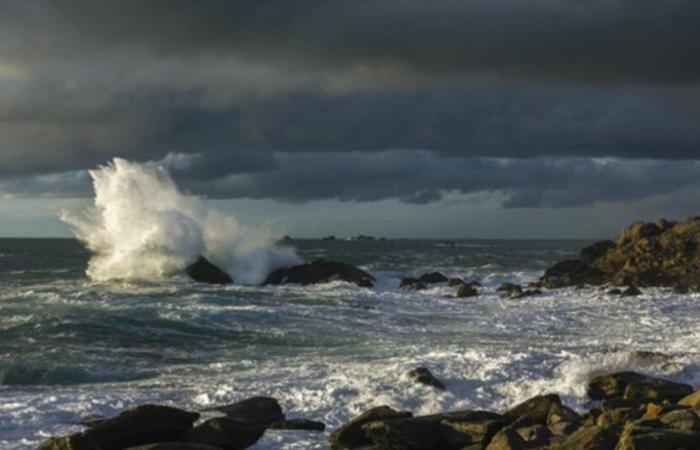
(205, 272)
(320, 271)
(645, 254)
(424, 376)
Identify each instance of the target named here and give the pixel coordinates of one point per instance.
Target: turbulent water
(71, 346)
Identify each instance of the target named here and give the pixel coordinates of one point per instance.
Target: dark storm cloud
(371, 99)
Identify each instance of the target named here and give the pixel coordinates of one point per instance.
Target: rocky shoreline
(634, 412)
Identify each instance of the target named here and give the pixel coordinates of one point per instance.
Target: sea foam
(142, 227)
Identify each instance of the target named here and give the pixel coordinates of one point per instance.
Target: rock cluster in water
(660, 253)
(320, 271)
(636, 412)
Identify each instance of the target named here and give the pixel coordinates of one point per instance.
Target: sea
(72, 345)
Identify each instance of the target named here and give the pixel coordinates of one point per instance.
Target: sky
(473, 119)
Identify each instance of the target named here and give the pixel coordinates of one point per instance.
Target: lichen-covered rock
(351, 435)
(645, 254)
(320, 271)
(612, 385)
(691, 400)
(657, 388)
(424, 376)
(639, 437)
(589, 438)
(535, 409)
(465, 428)
(562, 420)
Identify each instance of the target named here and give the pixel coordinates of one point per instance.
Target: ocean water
(71, 346)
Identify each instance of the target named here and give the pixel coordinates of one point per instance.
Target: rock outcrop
(204, 271)
(657, 253)
(320, 271)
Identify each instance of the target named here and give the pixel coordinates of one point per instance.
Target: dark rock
(612, 385)
(363, 237)
(412, 283)
(417, 433)
(614, 291)
(631, 291)
(562, 420)
(645, 254)
(467, 291)
(535, 409)
(91, 420)
(174, 446)
(508, 287)
(639, 437)
(458, 430)
(144, 424)
(351, 435)
(523, 293)
(328, 238)
(424, 376)
(225, 433)
(205, 272)
(590, 438)
(507, 439)
(298, 424)
(456, 282)
(320, 271)
(657, 388)
(691, 400)
(432, 278)
(253, 411)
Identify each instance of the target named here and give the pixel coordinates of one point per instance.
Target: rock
(424, 376)
(535, 409)
(562, 420)
(174, 446)
(460, 429)
(691, 400)
(508, 287)
(225, 433)
(616, 410)
(522, 294)
(456, 282)
(589, 438)
(298, 424)
(639, 437)
(351, 435)
(328, 238)
(418, 433)
(507, 439)
(614, 291)
(320, 271)
(466, 290)
(205, 272)
(612, 385)
(680, 419)
(363, 237)
(645, 254)
(412, 283)
(144, 424)
(631, 291)
(432, 278)
(537, 433)
(253, 411)
(657, 388)
(91, 420)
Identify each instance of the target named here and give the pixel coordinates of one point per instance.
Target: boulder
(691, 400)
(298, 424)
(253, 411)
(612, 385)
(465, 428)
(205, 272)
(657, 388)
(320, 271)
(412, 283)
(467, 290)
(535, 409)
(423, 375)
(225, 433)
(456, 282)
(351, 435)
(415, 433)
(644, 254)
(144, 424)
(631, 291)
(589, 438)
(562, 420)
(432, 278)
(174, 446)
(636, 436)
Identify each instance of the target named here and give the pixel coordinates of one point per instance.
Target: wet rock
(507, 439)
(456, 282)
(507, 288)
(589, 438)
(524, 293)
(465, 428)
(144, 424)
(174, 446)
(417, 433)
(298, 424)
(432, 278)
(320, 271)
(562, 420)
(645, 254)
(412, 283)
(657, 388)
(631, 291)
(612, 385)
(225, 433)
(466, 290)
(691, 400)
(351, 435)
(91, 420)
(424, 376)
(205, 272)
(614, 291)
(535, 409)
(680, 419)
(253, 411)
(639, 437)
